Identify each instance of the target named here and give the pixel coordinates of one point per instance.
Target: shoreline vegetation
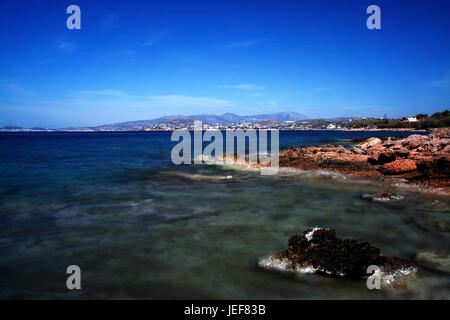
(419, 122)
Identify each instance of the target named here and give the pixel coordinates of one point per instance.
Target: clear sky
(135, 60)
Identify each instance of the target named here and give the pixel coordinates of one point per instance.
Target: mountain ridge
(208, 118)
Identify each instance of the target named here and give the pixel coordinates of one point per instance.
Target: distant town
(326, 124)
(173, 124)
(280, 121)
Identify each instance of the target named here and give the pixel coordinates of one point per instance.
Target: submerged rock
(319, 250)
(384, 196)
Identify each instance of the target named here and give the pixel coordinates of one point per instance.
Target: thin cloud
(321, 89)
(192, 69)
(107, 92)
(65, 46)
(16, 90)
(242, 44)
(94, 107)
(242, 87)
(442, 83)
(155, 101)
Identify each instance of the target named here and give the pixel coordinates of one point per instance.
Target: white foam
(391, 279)
(272, 263)
(310, 234)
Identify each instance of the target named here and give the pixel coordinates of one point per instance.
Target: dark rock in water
(329, 254)
(319, 250)
(384, 196)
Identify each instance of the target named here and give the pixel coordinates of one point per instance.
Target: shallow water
(141, 227)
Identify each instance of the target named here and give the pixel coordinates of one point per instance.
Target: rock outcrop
(319, 250)
(417, 158)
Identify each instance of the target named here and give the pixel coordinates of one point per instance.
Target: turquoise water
(140, 227)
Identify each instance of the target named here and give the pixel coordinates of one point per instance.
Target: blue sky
(135, 60)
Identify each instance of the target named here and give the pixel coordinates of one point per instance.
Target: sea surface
(139, 226)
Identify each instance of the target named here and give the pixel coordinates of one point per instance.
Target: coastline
(416, 162)
(167, 130)
(117, 192)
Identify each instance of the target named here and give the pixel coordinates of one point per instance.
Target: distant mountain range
(224, 119)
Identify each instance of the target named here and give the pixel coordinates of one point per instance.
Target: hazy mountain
(134, 125)
(279, 116)
(226, 118)
(11, 128)
(229, 118)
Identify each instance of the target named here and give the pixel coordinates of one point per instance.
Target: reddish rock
(388, 143)
(402, 153)
(414, 141)
(414, 144)
(371, 142)
(399, 166)
(386, 156)
(420, 158)
(397, 146)
(357, 150)
(376, 150)
(440, 133)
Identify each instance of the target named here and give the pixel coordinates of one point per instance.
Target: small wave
(389, 279)
(277, 264)
(198, 177)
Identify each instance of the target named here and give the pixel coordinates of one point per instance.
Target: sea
(140, 227)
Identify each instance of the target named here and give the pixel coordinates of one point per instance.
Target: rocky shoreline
(416, 159)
